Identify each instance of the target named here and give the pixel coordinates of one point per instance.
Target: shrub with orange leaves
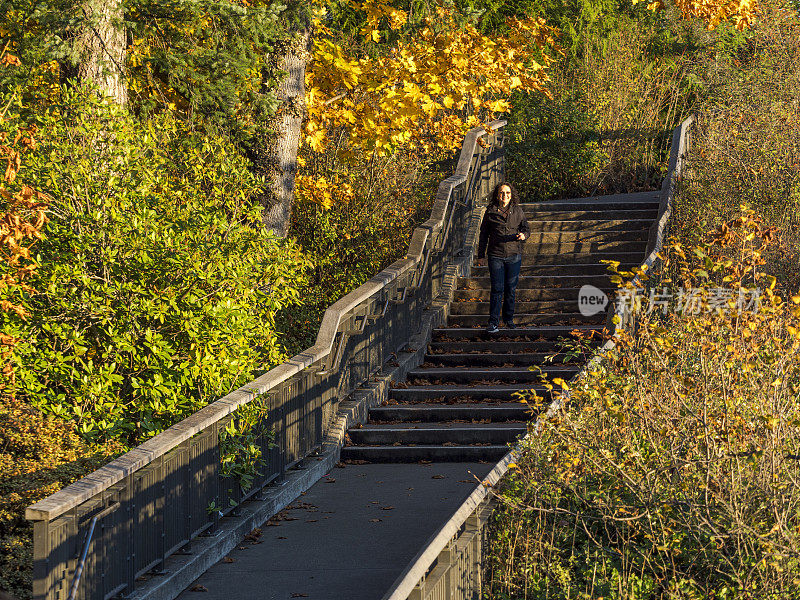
(21, 222)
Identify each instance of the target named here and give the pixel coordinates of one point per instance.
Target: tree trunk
(100, 45)
(276, 157)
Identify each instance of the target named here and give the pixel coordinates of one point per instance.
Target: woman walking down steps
(504, 230)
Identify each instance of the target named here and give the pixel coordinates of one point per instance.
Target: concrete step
(461, 394)
(494, 375)
(468, 347)
(577, 258)
(568, 305)
(533, 249)
(534, 270)
(495, 412)
(432, 453)
(598, 268)
(634, 197)
(590, 225)
(586, 235)
(617, 202)
(545, 294)
(531, 320)
(493, 360)
(594, 206)
(480, 280)
(407, 434)
(572, 213)
(540, 333)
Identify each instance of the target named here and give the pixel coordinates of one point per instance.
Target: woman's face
(504, 195)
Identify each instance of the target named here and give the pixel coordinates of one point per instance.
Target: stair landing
(348, 537)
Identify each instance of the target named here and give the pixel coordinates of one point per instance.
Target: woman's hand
(521, 237)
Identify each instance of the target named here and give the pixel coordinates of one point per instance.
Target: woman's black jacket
(499, 231)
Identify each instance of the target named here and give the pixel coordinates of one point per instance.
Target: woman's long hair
(495, 201)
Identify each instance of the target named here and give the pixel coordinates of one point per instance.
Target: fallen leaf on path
(198, 588)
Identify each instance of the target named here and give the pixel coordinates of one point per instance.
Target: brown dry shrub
(38, 456)
(674, 470)
(746, 144)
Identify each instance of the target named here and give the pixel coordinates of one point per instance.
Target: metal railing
(153, 501)
(449, 567)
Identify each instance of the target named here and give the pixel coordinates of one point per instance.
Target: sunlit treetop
(428, 88)
(740, 12)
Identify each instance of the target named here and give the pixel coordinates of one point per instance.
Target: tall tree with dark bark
(274, 154)
(98, 48)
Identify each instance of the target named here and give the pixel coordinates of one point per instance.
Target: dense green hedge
(155, 293)
(157, 287)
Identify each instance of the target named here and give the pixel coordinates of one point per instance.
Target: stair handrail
(310, 383)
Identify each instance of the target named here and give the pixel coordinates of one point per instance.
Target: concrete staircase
(459, 405)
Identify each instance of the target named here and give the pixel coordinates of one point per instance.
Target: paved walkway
(348, 538)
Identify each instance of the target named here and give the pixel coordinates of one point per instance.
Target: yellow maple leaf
(501, 105)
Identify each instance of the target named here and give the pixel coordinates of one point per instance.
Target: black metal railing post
(160, 521)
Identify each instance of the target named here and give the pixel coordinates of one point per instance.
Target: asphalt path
(348, 537)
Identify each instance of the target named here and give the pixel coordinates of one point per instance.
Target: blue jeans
(504, 273)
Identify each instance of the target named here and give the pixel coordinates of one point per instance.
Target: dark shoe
(511, 325)
(492, 329)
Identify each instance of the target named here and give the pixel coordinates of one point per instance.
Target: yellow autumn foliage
(740, 12)
(322, 191)
(427, 89)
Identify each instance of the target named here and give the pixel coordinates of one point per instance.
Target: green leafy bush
(157, 286)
